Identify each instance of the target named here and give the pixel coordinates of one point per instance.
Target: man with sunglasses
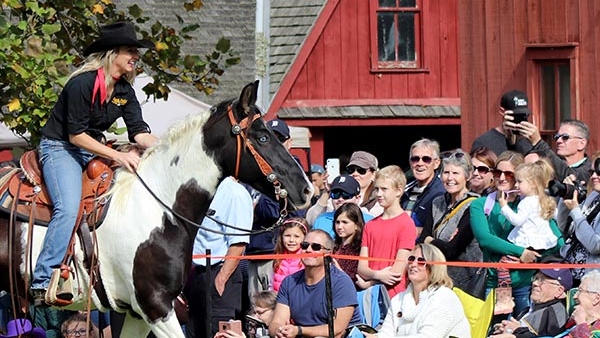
(344, 189)
(571, 140)
(301, 300)
(501, 138)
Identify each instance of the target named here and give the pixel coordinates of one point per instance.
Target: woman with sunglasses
(428, 307)
(491, 229)
(483, 160)
(424, 160)
(583, 225)
(363, 167)
(448, 226)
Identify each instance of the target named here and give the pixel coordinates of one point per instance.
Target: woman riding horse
(95, 96)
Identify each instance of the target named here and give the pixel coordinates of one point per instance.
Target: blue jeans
(522, 299)
(62, 165)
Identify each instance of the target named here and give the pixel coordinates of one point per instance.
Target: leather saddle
(23, 192)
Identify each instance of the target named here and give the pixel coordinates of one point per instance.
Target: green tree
(42, 40)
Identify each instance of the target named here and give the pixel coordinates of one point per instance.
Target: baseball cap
(280, 127)
(364, 160)
(317, 168)
(563, 276)
(516, 101)
(345, 183)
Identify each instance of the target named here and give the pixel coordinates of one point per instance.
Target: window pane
(564, 75)
(387, 3)
(386, 39)
(406, 32)
(408, 3)
(548, 98)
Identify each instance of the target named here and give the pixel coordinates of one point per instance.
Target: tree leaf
(223, 45)
(14, 104)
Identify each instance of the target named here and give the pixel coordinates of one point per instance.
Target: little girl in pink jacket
(291, 234)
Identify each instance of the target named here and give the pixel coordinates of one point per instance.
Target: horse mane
(179, 138)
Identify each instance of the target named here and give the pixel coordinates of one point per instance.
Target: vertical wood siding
(339, 65)
(493, 40)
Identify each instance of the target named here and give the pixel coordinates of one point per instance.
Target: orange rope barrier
(460, 264)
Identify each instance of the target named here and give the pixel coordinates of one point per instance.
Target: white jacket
(439, 314)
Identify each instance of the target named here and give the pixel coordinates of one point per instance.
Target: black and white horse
(144, 245)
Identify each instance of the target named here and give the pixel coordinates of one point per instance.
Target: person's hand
(573, 202)
(229, 334)
(529, 131)
(529, 256)
(286, 331)
(388, 277)
(362, 283)
(502, 196)
(128, 160)
(510, 324)
(428, 239)
(579, 315)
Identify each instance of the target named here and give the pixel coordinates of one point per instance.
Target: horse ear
(248, 97)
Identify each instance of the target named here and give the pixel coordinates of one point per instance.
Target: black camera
(559, 189)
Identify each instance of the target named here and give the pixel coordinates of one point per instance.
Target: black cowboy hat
(115, 35)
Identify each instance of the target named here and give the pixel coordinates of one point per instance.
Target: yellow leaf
(15, 104)
(97, 8)
(107, 2)
(161, 46)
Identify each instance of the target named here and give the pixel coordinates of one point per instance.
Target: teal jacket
(491, 232)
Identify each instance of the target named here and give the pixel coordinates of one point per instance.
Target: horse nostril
(307, 190)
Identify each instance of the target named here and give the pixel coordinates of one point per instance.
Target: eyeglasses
(482, 169)
(260, 313)
(565, 137)
(76, 333)
(338, 193)
(579, 290)
(313, 246)
(420, 260)
(594, 171)
(542, 280)
(509, 175)
(426, 159)
(352, 168)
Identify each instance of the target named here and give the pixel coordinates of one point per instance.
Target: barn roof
(291, 22)
(370, 111)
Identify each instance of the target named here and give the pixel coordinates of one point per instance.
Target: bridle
(239, 130)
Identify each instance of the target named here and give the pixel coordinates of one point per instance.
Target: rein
(282, 215)
(239, 130)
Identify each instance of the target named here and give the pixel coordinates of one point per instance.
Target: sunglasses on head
(352, 168)
(509, 175)
(338, 193)
(426, 159)
(420, 260)
(456, 154)
(482, 169)
(565, 137)
(313, 246)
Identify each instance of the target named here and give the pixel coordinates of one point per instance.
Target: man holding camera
(500, 138)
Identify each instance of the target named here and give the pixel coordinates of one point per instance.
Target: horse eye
(262, 139)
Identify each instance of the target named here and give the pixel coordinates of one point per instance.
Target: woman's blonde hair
(102, 59)
(438, 273)
(538, 174)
